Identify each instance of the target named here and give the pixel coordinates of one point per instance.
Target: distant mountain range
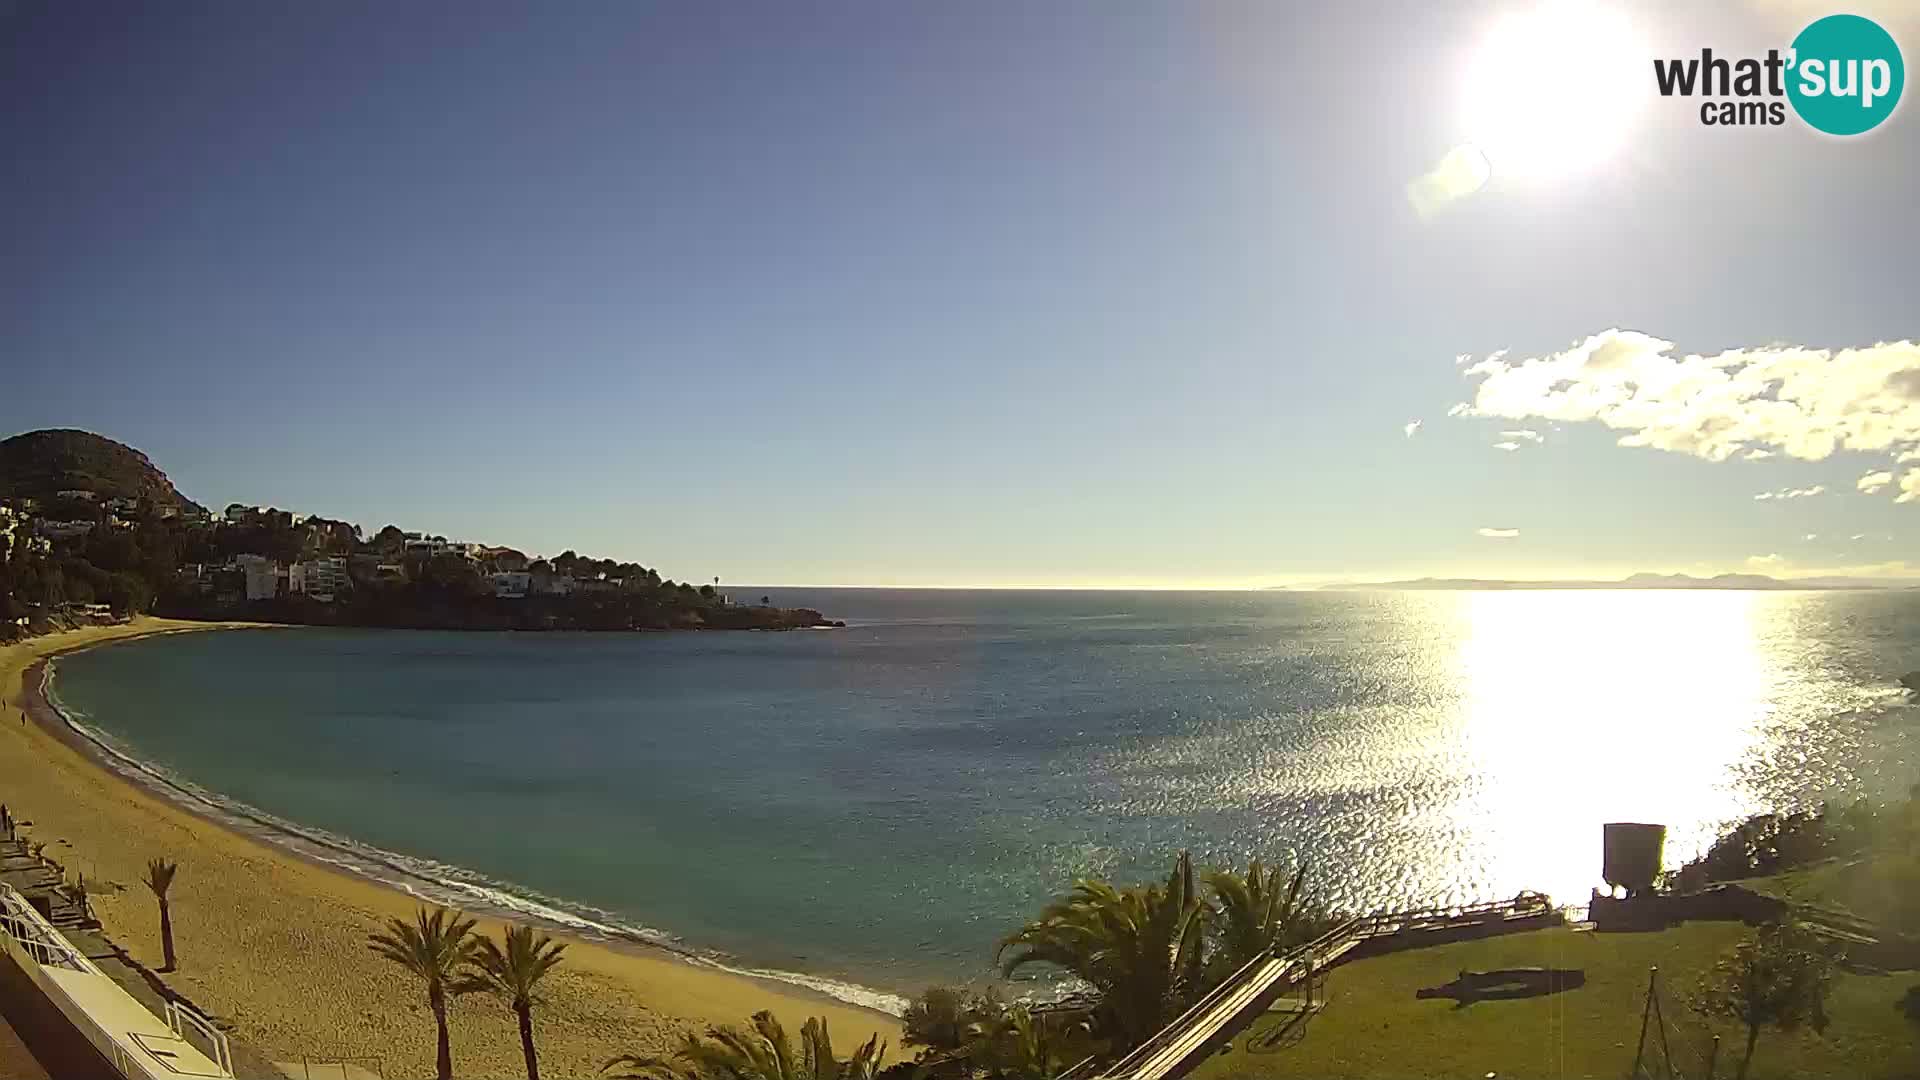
(1637, 581)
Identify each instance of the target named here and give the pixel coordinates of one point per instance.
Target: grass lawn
(1373, 1026)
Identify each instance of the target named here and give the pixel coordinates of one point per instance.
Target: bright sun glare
(1553, 90)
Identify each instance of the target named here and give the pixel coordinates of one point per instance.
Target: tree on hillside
(761, 1052)
(159, 879)
(434, 947)
(1778, 978)
(1143, 950)
(511, 972)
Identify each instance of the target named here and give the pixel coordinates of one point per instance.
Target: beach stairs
(1227, 1009)
(43, 884)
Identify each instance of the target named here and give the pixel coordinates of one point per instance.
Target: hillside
(40, 463)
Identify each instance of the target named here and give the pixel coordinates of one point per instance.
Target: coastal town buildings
(261, 576)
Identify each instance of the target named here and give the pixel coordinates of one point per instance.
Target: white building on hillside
(321, 579)
(511, 584)
(262, 576)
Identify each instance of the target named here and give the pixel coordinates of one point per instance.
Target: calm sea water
(878, 805)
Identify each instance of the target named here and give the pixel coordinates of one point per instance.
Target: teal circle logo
(1845, 75)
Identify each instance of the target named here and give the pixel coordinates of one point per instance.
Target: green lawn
(1373, 1025)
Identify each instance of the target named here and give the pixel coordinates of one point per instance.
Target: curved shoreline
(682, 980)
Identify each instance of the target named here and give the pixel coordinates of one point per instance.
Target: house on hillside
(320, 579)
(77, 495)
(62, 530)
(511, 584)
(261, 576)
(544, 582)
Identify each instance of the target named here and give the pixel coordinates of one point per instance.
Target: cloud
(1766, 562)
(1506, 446)
(1792, 493)
(1463, 171)
(1858, 536)
(1909, 486)
(1875, 482)
(1526, 433)
(1410, 427)
(1499, 534)
(1910, 454)
(1757, 455)
(1803, 402)
(1811, 536)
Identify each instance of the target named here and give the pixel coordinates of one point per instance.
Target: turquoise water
(877, 805)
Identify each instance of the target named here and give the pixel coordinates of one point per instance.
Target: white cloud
(1909, 486)
(1910, 454)
(1506, 446)
(1463, 171)
(1874, 482)
(1766, 562)
(1757, 455)
(1526, 433)
(1792, 493)
(1499, 534)
(1858, 536)
(1410, 427)
(1811, 536)
(1803, 402)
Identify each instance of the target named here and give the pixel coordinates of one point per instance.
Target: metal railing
(182, 1018)
(47, 946)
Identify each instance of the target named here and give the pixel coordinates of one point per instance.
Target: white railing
(48, 947)
(182, 1018)
(31, 937)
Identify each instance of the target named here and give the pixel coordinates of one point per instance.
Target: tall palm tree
(1143, 950)
(512, 973)
(1260, 912)
(160, 874)
(762, 1052)
(434, 947)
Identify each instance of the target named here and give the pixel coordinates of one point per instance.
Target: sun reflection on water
(1583, 708)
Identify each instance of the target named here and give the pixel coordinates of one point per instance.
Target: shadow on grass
(1506, 984)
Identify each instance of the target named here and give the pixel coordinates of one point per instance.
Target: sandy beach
(275, 946)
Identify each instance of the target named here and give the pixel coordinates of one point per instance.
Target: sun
(1553, 90)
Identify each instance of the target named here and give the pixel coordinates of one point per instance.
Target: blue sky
(867, 293)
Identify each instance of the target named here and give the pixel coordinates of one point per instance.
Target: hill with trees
(90, 527)
(40, 464)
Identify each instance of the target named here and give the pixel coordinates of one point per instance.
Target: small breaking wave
(430, 880)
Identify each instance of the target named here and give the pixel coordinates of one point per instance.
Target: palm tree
(1259, 914)
(512, 973)
(730, 1052)
(159, 879)
(434, 947)
(1143, 950)
(1028, 1047)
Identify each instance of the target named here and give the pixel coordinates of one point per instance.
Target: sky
(994, 293)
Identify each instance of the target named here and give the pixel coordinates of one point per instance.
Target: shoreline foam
(620, 991)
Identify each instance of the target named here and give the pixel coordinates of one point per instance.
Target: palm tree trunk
(166, 936)
(443, 1063)
(524, 1010)
(1753, 1036)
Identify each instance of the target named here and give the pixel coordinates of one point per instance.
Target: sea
(869, 810)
